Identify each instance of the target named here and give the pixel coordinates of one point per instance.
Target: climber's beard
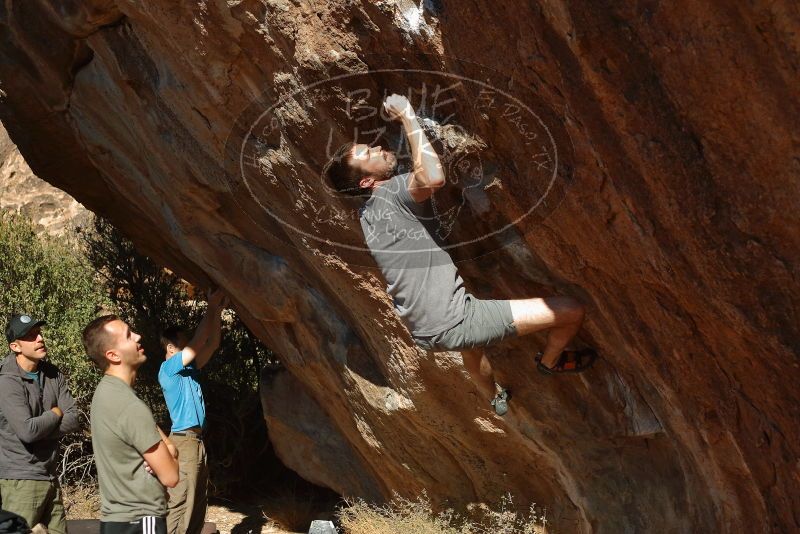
(389, 167)
(391, 164)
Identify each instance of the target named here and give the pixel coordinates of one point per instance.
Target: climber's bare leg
(563, 316)
(479, 368)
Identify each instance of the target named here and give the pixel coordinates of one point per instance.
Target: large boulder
(641, 157)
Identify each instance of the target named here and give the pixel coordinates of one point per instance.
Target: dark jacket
(29, 431)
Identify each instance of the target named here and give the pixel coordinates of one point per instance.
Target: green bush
(50, 279)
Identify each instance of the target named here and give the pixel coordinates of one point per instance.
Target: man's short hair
(172, 335)
(341, 175)
(96, 340)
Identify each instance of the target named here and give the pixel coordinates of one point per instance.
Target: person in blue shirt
(184, 357)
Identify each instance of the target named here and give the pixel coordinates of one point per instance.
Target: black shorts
(145, 525)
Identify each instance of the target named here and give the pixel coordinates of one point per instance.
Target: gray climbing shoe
(500, 402)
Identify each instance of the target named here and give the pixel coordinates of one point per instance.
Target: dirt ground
(287, 512)
(246, 522)
(272, 515)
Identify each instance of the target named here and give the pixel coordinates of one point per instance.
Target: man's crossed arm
(161, 461)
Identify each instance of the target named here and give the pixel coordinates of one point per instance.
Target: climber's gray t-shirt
(427, 290)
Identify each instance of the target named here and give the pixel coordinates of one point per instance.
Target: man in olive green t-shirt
(125, 436)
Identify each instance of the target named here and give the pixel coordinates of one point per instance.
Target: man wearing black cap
(36, 409)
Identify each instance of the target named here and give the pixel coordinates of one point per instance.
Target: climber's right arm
(207, 337)
(427, 173)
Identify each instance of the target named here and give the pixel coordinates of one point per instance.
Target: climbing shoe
(500, 401)
(570, 361)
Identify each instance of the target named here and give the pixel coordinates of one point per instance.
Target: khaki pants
(188, 500)
(37, 501)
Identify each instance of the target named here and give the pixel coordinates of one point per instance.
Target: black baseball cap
(20, 325)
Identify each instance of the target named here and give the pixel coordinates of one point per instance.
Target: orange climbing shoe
(570, 361)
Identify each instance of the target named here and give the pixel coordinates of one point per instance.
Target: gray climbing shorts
(486, 322)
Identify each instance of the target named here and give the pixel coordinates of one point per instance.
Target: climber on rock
(429, 294)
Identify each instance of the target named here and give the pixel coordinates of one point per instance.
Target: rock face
(643, 157)
(51, 210)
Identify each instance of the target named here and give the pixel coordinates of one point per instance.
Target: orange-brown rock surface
(51, 210)
(648, 165)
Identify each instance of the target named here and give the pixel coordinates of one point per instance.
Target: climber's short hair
(340, 173)
(173, 335)
(96, 340)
